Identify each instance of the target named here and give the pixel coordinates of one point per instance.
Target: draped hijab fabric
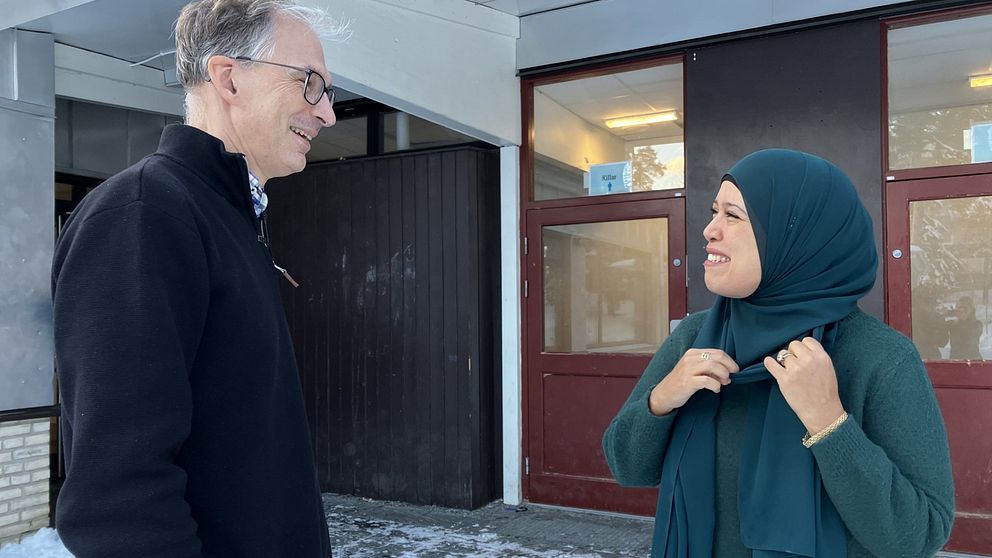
(818, 258)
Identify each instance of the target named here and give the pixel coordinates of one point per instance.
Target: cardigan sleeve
(890, 479)
(636, 440)
(131, 288)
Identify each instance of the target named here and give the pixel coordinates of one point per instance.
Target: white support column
(402, 130)
(509, 173)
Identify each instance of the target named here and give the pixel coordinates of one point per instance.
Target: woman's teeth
(715, 258)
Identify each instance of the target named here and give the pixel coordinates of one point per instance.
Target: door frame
(558, 489)
(972, 531)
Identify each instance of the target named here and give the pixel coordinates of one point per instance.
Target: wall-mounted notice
(610, 178)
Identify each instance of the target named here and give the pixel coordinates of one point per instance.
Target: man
(184, 428)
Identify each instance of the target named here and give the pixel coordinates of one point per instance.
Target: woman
(836, 446)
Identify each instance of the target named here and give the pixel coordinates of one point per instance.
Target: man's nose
(325, 112)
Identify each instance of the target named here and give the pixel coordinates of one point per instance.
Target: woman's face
(732, 267)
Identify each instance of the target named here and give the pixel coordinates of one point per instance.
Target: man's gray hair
(237, 28)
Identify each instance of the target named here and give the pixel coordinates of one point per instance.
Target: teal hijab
(817, 259)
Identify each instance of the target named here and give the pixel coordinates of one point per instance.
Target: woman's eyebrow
(726, 204)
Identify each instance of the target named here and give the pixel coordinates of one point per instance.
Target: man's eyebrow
(327, 80)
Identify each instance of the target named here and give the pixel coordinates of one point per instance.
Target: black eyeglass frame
(324, 90)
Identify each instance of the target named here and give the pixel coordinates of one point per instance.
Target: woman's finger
(774, 368)
(798, 349)
(718, 356)
(707, 382)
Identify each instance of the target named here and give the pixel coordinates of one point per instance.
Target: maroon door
(603, 283)
(938, 288)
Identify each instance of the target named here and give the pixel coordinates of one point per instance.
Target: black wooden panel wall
(396, 321)
(817, 90)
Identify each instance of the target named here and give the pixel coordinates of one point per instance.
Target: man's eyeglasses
(313, 88)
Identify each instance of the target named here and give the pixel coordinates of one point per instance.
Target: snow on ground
(43, 544)
(418, 541)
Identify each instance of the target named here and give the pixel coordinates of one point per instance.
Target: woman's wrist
(810, 438)
(657, 407)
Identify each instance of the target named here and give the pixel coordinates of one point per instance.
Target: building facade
(609, 125)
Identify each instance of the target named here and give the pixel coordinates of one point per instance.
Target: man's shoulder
(155, 182)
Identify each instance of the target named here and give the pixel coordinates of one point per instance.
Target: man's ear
(221, 72)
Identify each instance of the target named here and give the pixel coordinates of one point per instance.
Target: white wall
(562, 135)
(450, 62)
(610, 26)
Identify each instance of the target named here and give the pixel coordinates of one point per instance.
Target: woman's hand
(808, 383)
(697, 369)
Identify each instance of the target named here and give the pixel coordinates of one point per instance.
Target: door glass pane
(606, 286)
(609, 134)
(951, 267)
(940, 93)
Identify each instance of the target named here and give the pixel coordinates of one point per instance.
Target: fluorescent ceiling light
(642, 119)
(984, 80)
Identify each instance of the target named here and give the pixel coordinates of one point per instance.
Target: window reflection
(606, 286)
(951, 267)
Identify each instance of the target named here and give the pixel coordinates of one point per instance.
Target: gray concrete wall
(610, 26)
(27, 145)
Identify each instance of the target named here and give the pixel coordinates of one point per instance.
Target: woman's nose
(713, 230)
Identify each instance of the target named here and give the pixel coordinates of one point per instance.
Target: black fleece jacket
(184, 428)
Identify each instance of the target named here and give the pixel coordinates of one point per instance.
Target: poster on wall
(610, 178)
(981, 143)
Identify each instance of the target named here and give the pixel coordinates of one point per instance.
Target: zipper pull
(286, 274)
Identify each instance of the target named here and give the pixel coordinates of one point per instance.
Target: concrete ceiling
(128, 30)
(123, 29)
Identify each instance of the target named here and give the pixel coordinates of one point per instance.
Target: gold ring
(705, 355)
(782, 355)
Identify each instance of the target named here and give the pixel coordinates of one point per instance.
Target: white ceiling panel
(632, 93)
(527, 7)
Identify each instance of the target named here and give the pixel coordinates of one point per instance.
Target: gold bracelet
(810, 440)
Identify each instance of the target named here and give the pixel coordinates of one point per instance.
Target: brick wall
(25, 447)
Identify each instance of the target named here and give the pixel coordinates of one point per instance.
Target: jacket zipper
(263, 239)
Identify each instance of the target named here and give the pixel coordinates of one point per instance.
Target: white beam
(88, 76)
(19, 12)
(463, 13)
(509, 224)
(452, 63)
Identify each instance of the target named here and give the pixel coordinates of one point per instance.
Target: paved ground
(362, 528)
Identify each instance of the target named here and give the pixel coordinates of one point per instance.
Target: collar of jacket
(204, 155)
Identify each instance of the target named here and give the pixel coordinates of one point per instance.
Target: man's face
(275, 115)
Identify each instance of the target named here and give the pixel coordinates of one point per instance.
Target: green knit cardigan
(887, 469)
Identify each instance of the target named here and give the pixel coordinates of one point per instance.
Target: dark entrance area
(396, 320)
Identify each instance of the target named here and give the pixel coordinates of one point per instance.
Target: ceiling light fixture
(983, 80)
(642, 119)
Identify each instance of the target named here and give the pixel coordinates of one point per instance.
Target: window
(940, 93)
(609, 134)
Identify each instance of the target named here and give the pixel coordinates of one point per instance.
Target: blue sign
(610, 178)
(981, 143)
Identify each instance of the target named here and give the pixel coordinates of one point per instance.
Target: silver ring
(705, 355)
(782, 355)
